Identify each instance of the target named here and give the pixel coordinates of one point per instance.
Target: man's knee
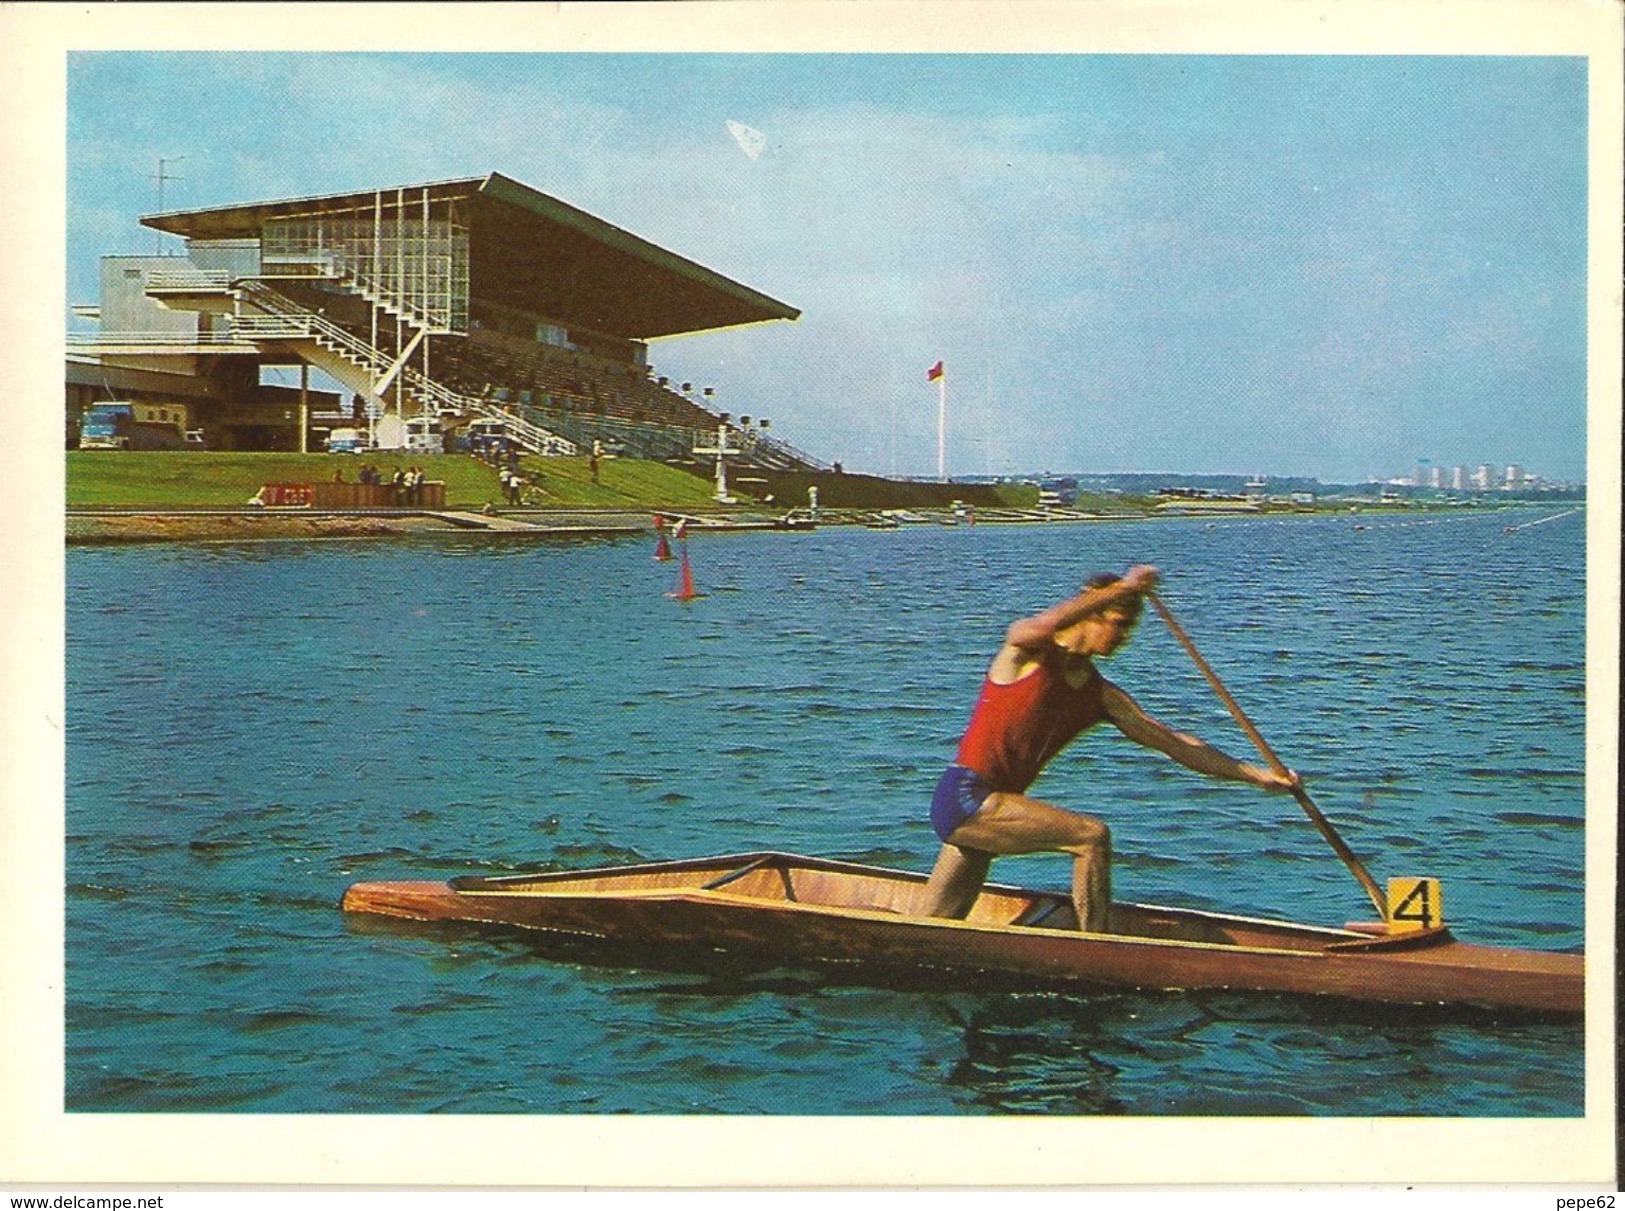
(957, 863)
(1089, 833)
(955, 881)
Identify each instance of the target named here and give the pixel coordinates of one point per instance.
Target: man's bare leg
(1014, 824)
(956, 880)
(1092, 883)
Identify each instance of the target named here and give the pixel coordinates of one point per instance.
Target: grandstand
(456, 300)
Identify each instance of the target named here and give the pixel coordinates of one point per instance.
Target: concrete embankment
(122, 526)
(101, 526)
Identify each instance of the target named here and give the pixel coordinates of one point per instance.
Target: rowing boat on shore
(798, 909)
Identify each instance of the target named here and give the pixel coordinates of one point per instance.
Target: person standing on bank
(1042, 690)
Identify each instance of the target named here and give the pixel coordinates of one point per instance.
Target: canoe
(796, 909)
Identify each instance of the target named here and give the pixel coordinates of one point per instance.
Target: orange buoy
(685, 578)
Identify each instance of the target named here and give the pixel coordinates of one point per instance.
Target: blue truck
(126, 426)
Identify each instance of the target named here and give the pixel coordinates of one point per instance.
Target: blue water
(254, 727)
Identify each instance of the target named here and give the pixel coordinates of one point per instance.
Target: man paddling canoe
(1041, 691)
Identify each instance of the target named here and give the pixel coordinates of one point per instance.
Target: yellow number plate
(1414, 904)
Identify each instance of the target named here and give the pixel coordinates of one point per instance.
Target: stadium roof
(534, 252)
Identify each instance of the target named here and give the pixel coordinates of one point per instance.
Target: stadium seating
(586, 399)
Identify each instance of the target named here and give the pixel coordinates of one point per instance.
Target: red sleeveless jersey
(1015, 729)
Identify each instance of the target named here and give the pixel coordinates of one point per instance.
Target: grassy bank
(178, 479)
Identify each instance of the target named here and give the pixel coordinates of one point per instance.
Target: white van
(425, 435)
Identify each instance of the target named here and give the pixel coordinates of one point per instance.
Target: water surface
(254, 727)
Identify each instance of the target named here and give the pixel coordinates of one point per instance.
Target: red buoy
(685, 581)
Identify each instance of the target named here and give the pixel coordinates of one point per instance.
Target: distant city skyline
(1481, 477)
(1213, 263)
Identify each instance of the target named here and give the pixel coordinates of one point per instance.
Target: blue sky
(1323, 266)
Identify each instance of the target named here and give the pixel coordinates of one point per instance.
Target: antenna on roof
(161, 176)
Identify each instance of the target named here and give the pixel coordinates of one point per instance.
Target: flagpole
(938, 376)
(942, 428)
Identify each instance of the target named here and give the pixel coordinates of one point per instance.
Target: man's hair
(1130, 605)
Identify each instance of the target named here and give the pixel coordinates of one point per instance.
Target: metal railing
(155, 340)
(211, 280)
(294, 327)
(786, 450)
(334, 269)
(307, 323)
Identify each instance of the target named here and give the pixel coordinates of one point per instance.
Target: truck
(124, 425)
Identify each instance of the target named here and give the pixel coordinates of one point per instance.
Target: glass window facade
(415, 264)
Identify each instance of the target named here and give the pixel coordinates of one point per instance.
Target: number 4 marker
(1413, 905)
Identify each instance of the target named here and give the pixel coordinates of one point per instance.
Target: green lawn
(188, 478)
(567, 482)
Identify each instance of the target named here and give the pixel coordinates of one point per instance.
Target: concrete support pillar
(304, 407)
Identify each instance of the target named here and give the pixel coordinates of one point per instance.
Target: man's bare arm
(1033, 633)
(1190, 752)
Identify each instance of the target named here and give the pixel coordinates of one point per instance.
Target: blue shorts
(959, 796)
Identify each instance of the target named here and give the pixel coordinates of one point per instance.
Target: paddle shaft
(1356, 868)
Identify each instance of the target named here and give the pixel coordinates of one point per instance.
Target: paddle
(1302, 796)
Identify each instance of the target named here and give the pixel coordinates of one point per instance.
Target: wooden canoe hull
(810, 910)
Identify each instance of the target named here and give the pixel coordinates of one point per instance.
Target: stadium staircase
(387, 301)
(369, 370)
